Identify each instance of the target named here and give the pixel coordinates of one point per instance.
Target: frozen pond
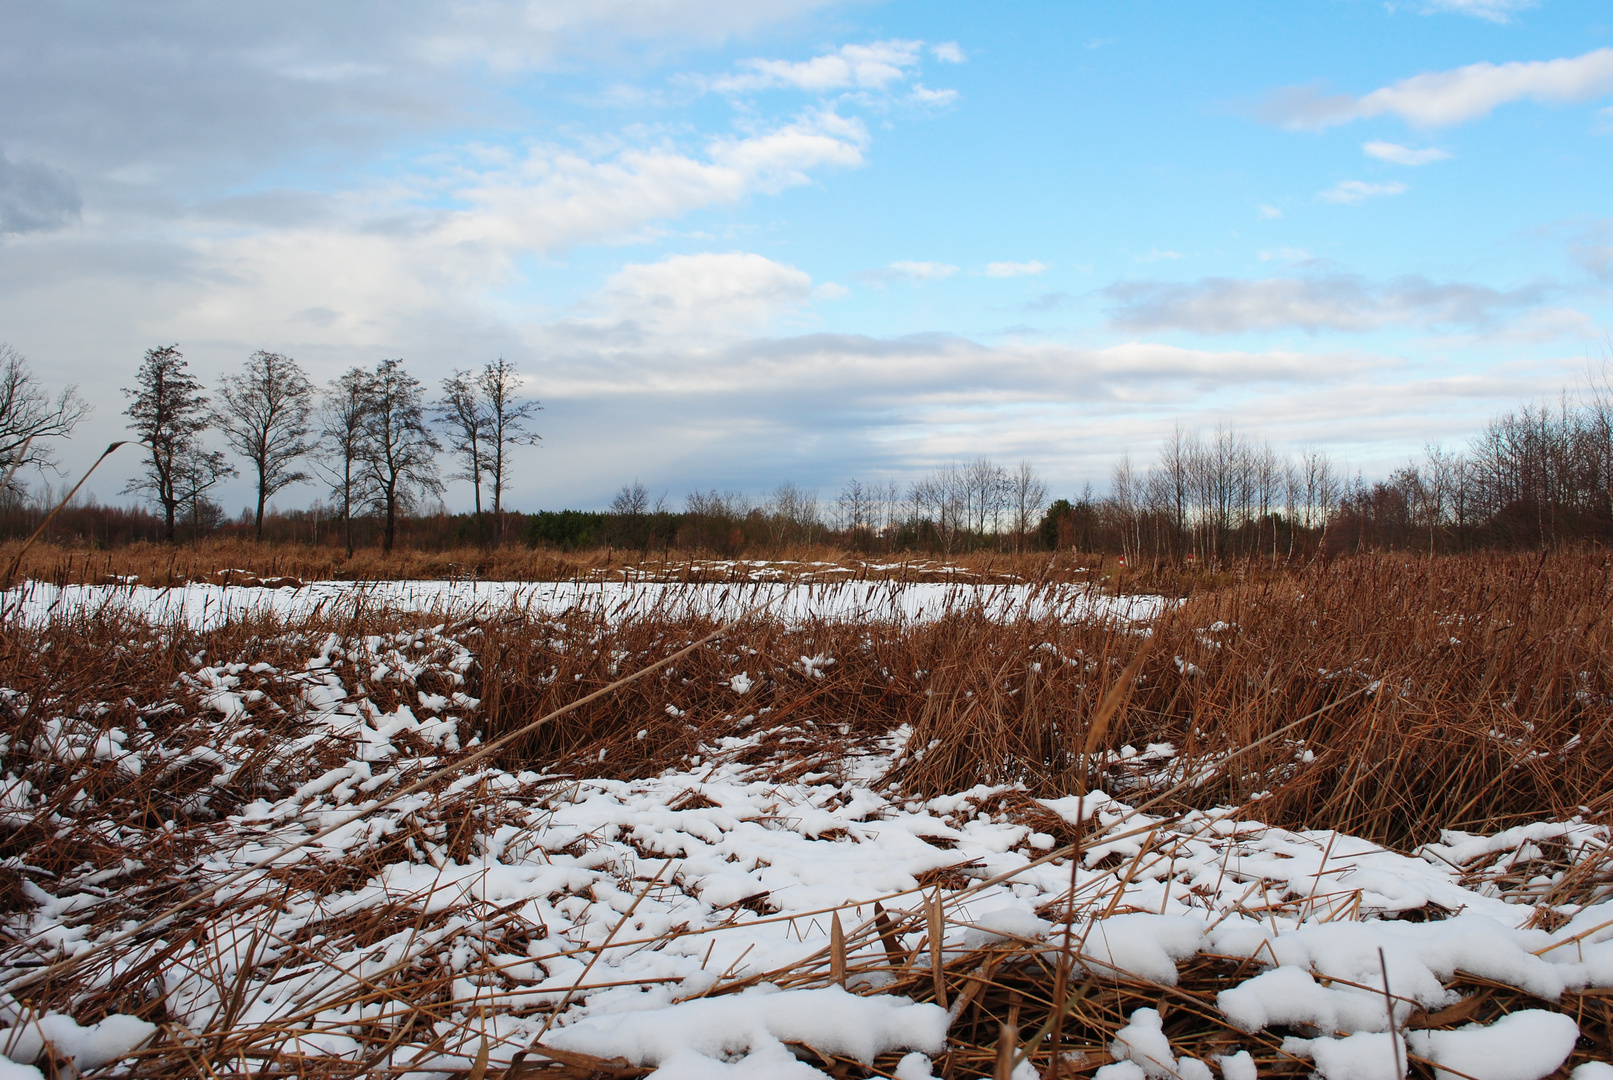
(205, 605)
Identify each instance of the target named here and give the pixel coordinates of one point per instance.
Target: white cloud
(1403, 155)
(710, 296)
(948, 52)
(1499, 11)
(1269, 212)
(1014, 269)
(910, 270)
(1340, 302)
(923, 95)
(1445, 98)
(1354, 191)
(555, 198)
(852, 67)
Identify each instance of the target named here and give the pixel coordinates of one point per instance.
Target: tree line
(1538, 476)
(371, 436)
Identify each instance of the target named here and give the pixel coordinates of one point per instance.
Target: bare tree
(631, 501)
(508, 417)
(29, 416)
(985, 493)
(343, 427)
(265, 418)
(793, 513)
(399, 451)
(167, 412)
(463, 412)
(1027, 494)
(197, 471)
(1127, 498)
(852, 507)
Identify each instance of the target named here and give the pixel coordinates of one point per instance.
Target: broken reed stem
(937, 929)
(1389, 1003)
(889, 937)
(837, 951)
(16, 561)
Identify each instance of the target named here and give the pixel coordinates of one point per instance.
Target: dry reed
(1465, 694)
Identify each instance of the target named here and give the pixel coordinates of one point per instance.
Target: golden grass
(164, 565)
(1387, 697)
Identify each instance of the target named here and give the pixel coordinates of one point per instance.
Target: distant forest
(1538, 477)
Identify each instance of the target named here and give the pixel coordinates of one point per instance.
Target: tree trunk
(391, 521)
(258, 527)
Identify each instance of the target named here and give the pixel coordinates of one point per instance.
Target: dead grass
(163, 565)
(1385, 697)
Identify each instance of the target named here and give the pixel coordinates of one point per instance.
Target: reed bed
(165, 565)
(1414, 704)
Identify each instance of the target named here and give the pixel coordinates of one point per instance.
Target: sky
(732, 243)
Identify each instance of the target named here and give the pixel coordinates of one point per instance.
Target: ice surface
(203, 605)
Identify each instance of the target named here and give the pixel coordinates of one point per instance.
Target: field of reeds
(164, 566)
(405, 843)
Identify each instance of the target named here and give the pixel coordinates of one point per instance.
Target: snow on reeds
(205, 604)
(1348, 821)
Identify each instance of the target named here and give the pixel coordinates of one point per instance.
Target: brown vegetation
(1384, 696)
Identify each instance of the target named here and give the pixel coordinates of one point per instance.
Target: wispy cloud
(1268, 212)
(1311, 303)
(923, 95)
(1496, 11)
(875, 66)
(1403, 155)
(1354, 191)
(909, 270)
(948, 52)
(554, 198)
(1445, 98)
(1014, 269)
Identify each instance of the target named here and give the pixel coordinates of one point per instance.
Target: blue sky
(734, 244)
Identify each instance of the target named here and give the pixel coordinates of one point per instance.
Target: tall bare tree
(197, 470)
(265, 419)
(343, 427)
(631, 501)
(508, 417)
(1027, 494)
(399, 449)
(29, 415)
(167, 412)
(465, 415)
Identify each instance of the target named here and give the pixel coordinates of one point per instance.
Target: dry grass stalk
(1472, 694)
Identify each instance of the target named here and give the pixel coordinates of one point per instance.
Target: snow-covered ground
(203, 605)
(684, 921)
